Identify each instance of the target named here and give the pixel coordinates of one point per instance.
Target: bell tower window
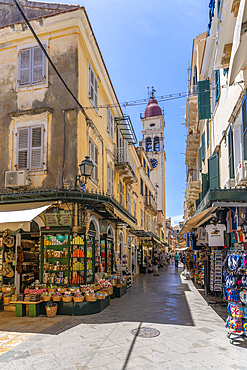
(156, 144)
(148, 144)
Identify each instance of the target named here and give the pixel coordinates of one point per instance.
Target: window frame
(95, 173)
(40, 84)
(141, 186)
(129, 201)
(156, 144)
(121, 193)
(110, 179)
(29, 148)
(110, 123)
(142, 220)
(93, 86)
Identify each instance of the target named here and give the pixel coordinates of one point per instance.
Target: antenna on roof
(148, 92)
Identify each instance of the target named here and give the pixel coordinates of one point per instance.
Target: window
(148, 144)
(203, 145)
(109, 122)
(213, 169)
(231, 153)
(121, 193)
(110, 179)
(30, 148)
(94, 156)
(93, 88)
(204, 106)
(145, 221)
(142, 224)
(134, 208)
(129, 201)
(31, 66)
(217, 84)
(146, 191)
(156, 144)
(144, 163)
(244, 126)
(148, 172)
(141, 186)
(208, 133)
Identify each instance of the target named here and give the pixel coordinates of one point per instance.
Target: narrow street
(191, 334)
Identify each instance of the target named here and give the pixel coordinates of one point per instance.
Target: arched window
(156, 144)
(92, 226)
(148, 144)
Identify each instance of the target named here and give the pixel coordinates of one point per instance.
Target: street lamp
(86, 169)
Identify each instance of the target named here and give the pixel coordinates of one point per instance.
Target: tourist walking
(155, 262)
(176, 257)
(133, 262)
(147, 262)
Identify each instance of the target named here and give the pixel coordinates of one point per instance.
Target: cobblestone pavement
(192, 335)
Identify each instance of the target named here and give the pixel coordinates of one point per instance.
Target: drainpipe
(11, 152)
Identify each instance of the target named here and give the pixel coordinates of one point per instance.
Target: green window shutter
(200, 158)
(208, 133)
(195, 74)
(204, 107)
(244, 126)
(204, 184)
(230, 152)
(203, 145)
(217, 84)
(214, 176)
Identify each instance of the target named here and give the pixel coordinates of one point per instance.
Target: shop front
(61, 251)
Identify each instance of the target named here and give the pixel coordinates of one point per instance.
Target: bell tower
(153, 144)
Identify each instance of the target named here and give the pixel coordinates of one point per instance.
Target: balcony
(150, 204)
(191, 111)
(193, 142)
(125, 165)
(194, 185)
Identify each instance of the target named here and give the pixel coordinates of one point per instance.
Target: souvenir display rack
(216, 271)
(66, 258)
(29, 266)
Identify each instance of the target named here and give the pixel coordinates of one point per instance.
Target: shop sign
(58, 218)
(103, 226)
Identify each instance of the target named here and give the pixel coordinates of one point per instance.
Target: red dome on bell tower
(152, 109)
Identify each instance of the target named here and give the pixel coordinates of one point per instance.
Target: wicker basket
(67, 299)
(99, 297)
(78, 299)
(88, 298)
(56, 298)
(62, 290)
(6, 300)
(11, 274)
(52, 290)
(6, 289)
(46, 299)
(51, 311)
(83, 289)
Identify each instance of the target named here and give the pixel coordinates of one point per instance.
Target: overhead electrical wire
(131, 103)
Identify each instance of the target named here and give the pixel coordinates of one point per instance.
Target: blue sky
(149, 43)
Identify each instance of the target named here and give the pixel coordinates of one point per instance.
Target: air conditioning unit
(16, 179)
(241, 173)
(230, 184)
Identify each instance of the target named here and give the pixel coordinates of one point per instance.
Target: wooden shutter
(96, 162)
(231, 154)
(38, 70)
(203, 145)
(213, 167)
(108, 119)
(204, 107)
(208, 133)
(25, 67)
(217, 84)
(36, 148)
(204, 184)
(95, 92)
(112, 180)
(244, 126)
(23, 148)
(200, 158)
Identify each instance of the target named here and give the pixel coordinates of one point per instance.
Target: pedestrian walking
(147, 262)
(133, 262)
(176, 257)
(155, 262)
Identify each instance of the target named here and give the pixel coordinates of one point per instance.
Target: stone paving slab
(109, 345)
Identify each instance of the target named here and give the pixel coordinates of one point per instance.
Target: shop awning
(197, 220)
(139, 233)
(181, 249)
(19, 216)
(155, 237)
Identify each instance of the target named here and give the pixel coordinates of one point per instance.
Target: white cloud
(176, 219)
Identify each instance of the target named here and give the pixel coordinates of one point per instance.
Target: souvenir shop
(219, 255)
(58, 253)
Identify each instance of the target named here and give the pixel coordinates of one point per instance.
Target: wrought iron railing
(122, 155)
(149, 201)
(193, 175)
